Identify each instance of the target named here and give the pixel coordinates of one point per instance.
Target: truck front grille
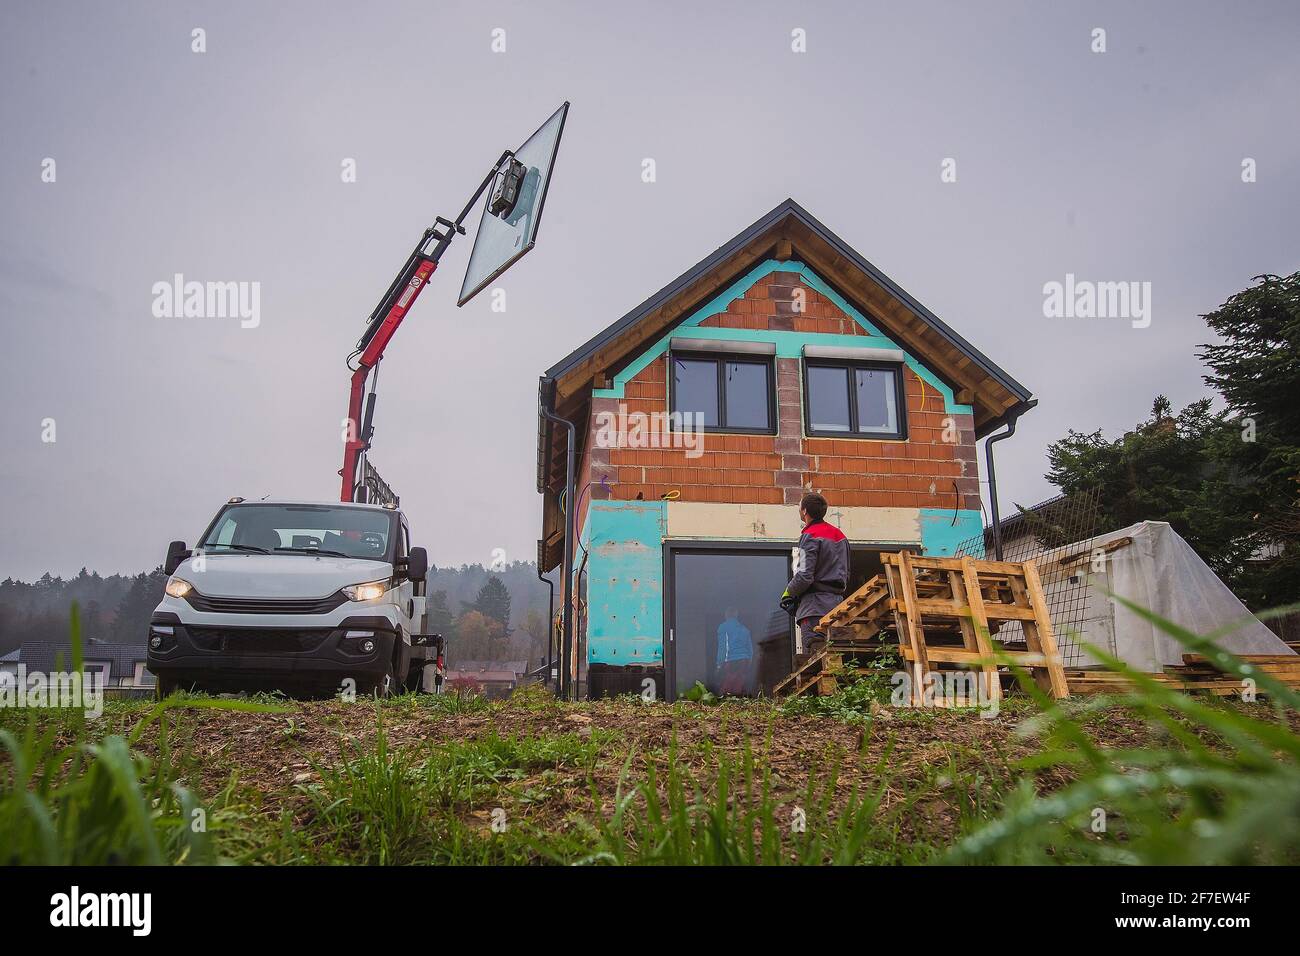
(248, 641)
(228, 605)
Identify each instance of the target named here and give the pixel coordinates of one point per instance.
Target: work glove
(788, 602)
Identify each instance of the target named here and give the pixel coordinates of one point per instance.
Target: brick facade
(935, 467)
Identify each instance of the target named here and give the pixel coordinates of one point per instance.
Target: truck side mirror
(176, 553)
(417, 564)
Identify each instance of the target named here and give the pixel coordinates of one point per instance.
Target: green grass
(1206, 781)
(102, 802)
(1225, 789)
(380, 806)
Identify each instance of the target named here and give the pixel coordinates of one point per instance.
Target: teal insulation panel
(625, 586)
(942, 533)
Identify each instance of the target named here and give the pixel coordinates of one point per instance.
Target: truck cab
(298, 596)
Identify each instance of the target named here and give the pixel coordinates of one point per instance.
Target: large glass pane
(695, 388)
(877, 400)
(747, 397)
(728, 631)
(828, 399)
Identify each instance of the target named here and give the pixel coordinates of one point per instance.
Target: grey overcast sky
(226, 166)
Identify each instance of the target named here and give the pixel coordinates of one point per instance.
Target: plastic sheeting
(1159, 571)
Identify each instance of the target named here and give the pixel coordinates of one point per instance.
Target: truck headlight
(368, 591)
(178, 587)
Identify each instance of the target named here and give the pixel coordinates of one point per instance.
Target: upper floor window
(729, 393)
(855, 399)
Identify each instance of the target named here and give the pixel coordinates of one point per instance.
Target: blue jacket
(734, 642)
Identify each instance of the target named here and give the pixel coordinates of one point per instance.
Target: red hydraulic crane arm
(372, 346)
(383, 323)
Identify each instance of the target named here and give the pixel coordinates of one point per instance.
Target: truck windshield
(303, 529)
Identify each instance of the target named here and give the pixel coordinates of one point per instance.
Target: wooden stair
(817, 672)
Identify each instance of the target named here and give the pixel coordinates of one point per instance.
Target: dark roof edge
(669, 291)
(959, 343)
(789, 207)
(1011, 414)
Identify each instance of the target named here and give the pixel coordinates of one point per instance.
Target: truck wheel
(415, 677)
(385, 685)
(166, 687)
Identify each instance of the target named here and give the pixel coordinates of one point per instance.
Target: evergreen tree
(493, 601)
(439, 614)
(1257, 369)
(1228, 482)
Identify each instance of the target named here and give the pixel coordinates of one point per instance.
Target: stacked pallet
(1196, 673)
(940, 601)
(942, 613)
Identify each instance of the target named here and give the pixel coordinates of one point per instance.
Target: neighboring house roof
(515, 667)
(492, 677)
(1012, 522)
(44, 656)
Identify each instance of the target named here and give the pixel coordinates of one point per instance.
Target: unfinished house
(782, 363)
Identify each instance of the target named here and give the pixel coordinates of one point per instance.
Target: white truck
(304, 597)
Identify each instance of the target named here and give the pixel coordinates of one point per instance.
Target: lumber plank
(1046, 638)
(915, 639)
(1081, 557)
(993, 611)
(980, 624)
(1009, 568)
(959, 655)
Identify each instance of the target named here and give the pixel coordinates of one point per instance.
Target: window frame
(675, 546)
(720, 360)
(850, 366)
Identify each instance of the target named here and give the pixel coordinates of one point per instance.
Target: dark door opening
(726, 627)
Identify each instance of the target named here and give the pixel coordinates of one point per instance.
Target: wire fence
(1051, 534)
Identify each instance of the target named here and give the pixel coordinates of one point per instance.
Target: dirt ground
(277, 754)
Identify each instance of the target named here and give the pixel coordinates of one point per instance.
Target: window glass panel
(828, 399)
(877, 400)
(726, 632)
(695, 388)
(745, 387)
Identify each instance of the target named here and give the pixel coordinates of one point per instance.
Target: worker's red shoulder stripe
(823, 530)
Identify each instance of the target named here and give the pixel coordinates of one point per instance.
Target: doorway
(726, 628)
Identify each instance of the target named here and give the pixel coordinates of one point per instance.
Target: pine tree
(1257, 369)
(439, 614)
(493, 601)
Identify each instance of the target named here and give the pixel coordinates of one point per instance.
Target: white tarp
(1159, 571)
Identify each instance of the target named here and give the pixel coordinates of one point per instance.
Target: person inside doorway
(735, 656)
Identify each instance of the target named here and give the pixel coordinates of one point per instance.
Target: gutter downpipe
(993, 478)
(566, 679)
(550, 612)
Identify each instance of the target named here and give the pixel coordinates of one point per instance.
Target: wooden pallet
(941, 611)
(1196, 673)
(817, 674)
(931, 596)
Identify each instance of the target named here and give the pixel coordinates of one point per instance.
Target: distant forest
(488, 614)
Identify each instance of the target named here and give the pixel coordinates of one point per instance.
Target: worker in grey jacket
(821, 571)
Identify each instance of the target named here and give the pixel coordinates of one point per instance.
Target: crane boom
(380, 328)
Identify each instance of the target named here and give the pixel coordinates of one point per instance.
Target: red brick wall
(922, 472)
(770, 303)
